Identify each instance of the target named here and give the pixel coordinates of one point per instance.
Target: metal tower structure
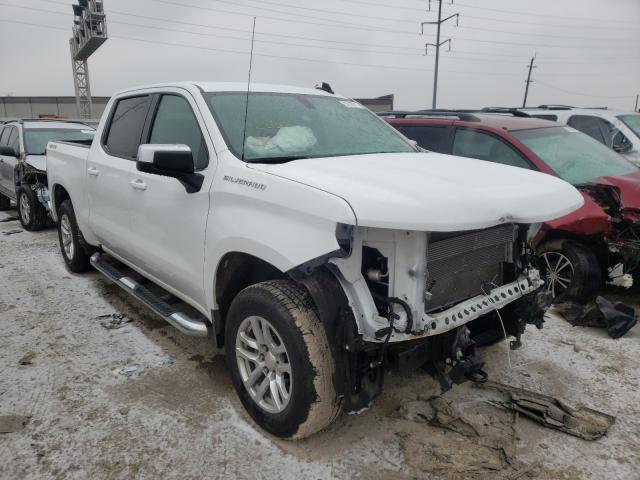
(89, 32)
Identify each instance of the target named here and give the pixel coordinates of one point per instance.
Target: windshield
(633, 122)
(289, 126)
(574, 156)
(36, 139)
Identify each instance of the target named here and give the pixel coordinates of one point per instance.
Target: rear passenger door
(110, 168)
(435, 138)
(168, 224)
(486, 146)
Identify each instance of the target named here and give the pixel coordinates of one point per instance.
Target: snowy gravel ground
(177, 417)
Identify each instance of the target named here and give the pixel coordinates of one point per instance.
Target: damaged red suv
(582, 250)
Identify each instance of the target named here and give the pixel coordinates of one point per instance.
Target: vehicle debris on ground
(582, 422)
(617, 318)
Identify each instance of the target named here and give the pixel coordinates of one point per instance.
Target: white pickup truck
(304, 234)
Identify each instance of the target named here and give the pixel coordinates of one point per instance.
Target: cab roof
(212, 87)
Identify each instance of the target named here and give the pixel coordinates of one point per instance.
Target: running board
(188, 326)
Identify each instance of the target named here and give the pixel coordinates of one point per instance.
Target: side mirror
(621, 144)
(9, 151)
(174, 161)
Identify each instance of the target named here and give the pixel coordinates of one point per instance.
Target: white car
(23, 169)
(618, 130)
(307, 236)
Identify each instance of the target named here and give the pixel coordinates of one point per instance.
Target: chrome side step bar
(187, 325)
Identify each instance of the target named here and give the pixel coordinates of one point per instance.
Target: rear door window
(484, 146)
(4, 137)
(125, 127)
(175, 123)
(429, 137)
(14, 139)
(595, 127)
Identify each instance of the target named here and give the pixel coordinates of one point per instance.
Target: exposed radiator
(458, 265)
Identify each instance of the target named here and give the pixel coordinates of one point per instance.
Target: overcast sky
(587, 50)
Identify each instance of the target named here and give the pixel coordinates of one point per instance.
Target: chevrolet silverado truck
(23, 170)
(309, 239)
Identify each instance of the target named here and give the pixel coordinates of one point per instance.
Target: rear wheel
(571, 271)
(5, 203)
(32, 214)
(71, 244)
(280, 361)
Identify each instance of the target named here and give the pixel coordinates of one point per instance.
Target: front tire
(71, 244)
(32, 214)
(571, 271)
(280, 361)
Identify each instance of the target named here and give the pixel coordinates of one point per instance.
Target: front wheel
(32, 214)
(280, 361)
(71, 245)
(571, 271)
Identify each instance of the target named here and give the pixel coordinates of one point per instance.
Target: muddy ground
(177, 416)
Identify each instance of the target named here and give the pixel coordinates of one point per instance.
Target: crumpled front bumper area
(494, 299)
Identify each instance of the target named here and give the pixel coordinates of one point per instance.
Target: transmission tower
(89, 32)
(437, 45)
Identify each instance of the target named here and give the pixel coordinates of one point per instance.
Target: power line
(342, 24)
(528, 14)
(265, 55)
(582, 94)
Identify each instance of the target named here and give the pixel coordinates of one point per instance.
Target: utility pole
(526, 89)
(437, 45)
(636, 109)
(89, 32)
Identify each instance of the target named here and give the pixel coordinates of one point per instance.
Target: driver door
(168, 224)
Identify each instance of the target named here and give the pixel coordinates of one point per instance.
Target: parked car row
(321, 247)
(581, 250)
(23, 170)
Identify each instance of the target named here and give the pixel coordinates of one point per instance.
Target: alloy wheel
(263, 363)
(558, 272)
(67, 237)
(25, 208)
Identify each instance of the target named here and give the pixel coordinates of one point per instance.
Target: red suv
(600, 241)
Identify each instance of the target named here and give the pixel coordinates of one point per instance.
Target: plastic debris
(115, 321)
(581, 422)
(167, 360)
(12, 232)
(130, 369)
(617, 318)
(13, 423)
(27, 358)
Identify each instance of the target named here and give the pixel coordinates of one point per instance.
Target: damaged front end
(622, 238)
(427, 299)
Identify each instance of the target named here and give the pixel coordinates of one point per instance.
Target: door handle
(93, 171)
(138, 184)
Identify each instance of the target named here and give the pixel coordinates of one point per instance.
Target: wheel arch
(58, 195)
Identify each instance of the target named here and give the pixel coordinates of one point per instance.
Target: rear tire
(571, 271)
(297, 398)
(71, 242)
(32, 214)
(5, 203)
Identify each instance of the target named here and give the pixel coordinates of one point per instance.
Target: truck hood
(432, 191)
(39, 162)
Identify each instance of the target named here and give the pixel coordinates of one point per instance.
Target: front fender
(284, 223)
